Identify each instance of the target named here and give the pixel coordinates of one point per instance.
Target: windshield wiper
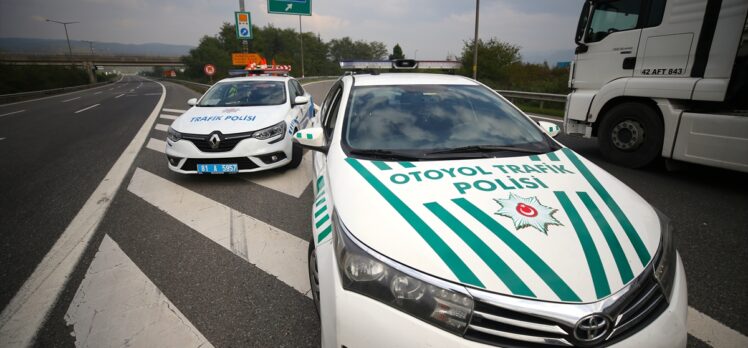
(485, 148)
(384, 154)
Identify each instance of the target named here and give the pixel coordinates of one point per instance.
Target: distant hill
(57, 46)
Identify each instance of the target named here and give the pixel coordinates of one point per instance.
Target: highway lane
(52, 159)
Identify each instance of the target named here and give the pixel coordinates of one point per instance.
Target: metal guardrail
(8, 98)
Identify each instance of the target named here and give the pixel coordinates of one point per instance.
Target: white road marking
(274, 251)
(2, 138)
(90, 107)
(156, 145)
(713, 332)
(65, 101)
(168, 117)
(60, 95)
(119, 96)
(12, 113)
(162, 127)
(117, 305)
(551, 119)
(174, 110)
(97, 92)
(293, 182)
(21, 319)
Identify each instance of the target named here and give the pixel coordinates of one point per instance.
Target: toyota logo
(214, 141)
(592, 328)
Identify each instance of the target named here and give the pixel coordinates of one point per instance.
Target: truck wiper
(389, 154)
(485, 148)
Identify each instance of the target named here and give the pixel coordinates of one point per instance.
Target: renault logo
(214, 141)
(592, 328)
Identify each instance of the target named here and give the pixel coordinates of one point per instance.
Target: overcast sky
(433, 27)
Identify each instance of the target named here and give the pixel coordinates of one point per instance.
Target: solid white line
(174, 110)
(168, 117)
(119, 96)
(90, 107)
(156, 145)
(115, 293)
(60, 95)
(12, 113)
(713, 332)
(97, 92)
(21, 319)
(292, 182)
(272, 250)
(65, 101)
(162, 127)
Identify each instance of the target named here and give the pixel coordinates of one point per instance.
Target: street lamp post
(475, 41)
(65, 24)
(415, 54)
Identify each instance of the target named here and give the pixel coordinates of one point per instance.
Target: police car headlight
(665, 261)
(365, 272)
(174, 135)
(270, 132)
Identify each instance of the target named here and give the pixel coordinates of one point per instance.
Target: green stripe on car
(322, 220)
(381, 165)
(557, 285)
(535, 158)
(407, 165)
(552, 156)
(493, 261)
(595, 264)
(633, 236)
(320, 201)
(320, 182)
(320, 211)
(324, 233)
(450, 258)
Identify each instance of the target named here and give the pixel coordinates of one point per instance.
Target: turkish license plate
(217, 168)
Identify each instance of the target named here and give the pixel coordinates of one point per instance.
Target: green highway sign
(292, 7)
(243, 25)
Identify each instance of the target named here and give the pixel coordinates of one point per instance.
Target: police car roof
(255, 78)
(411, 79)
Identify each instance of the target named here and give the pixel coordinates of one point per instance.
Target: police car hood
(551, 227)
(228, 120)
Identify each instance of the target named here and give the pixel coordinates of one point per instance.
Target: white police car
(445, 217)
(240, 125)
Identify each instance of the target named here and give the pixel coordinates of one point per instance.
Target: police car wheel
(296, 153)
(313, 274)
(630, 135)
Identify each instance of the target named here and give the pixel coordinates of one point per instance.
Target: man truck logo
(527, 212)
(214, 141)
(592, 328)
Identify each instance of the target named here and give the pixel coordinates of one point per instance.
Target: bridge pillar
(88, 66)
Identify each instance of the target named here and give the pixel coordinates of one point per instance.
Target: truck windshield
(611, 16)
(423, 119)
(245, 93)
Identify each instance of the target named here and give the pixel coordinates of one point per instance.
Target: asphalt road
(171, 263)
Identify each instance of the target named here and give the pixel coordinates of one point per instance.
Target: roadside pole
(245, 43)
(475, 41)
(301, 40)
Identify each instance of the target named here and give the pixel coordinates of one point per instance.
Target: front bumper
(251, 155)
(353, 321)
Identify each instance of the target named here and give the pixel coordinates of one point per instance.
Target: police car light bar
(400, 64)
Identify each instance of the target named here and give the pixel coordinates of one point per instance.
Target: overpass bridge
(89, 60)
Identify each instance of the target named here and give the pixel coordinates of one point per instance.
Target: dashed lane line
(88, 108)
(180, 111)
(12, 113)
(21, 319)
(97, 92)
(168, 117)
(156, 145)
(71, 99)
(61, 95)
(270, 249)
(116, 305)
(119, 96)
(162, 127)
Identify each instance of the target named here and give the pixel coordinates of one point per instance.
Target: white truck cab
(662, 78)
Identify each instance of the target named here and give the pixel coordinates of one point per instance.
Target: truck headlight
(173, 135)
(270, 132)
(434, 301)
(665, 261)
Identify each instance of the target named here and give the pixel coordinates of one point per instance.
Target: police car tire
(296, 153)
(312, 263)
(642, 115)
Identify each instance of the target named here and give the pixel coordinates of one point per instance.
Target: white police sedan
(445, 217)
(240, 125)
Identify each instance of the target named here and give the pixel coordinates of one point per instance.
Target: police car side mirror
(312, 139)
(550, 128)
(300, 100)
(192, 101)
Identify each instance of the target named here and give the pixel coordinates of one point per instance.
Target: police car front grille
(227, 143)
(493, 325)
(242, 162)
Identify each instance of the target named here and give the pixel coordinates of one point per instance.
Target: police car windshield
(427, 119)
(245, 93)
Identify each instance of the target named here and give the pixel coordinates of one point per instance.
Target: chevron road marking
(162, 127)
(272, 250)
(116, 305)
(179, 111)
(168, 117)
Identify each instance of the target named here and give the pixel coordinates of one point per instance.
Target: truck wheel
(630, 135)
(313, 274)
(296, 154)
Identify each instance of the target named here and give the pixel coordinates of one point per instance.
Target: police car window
(435, 117)
(292, 89)
(326, 104)
(245, 93)
(299, 89)
(333, 114)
